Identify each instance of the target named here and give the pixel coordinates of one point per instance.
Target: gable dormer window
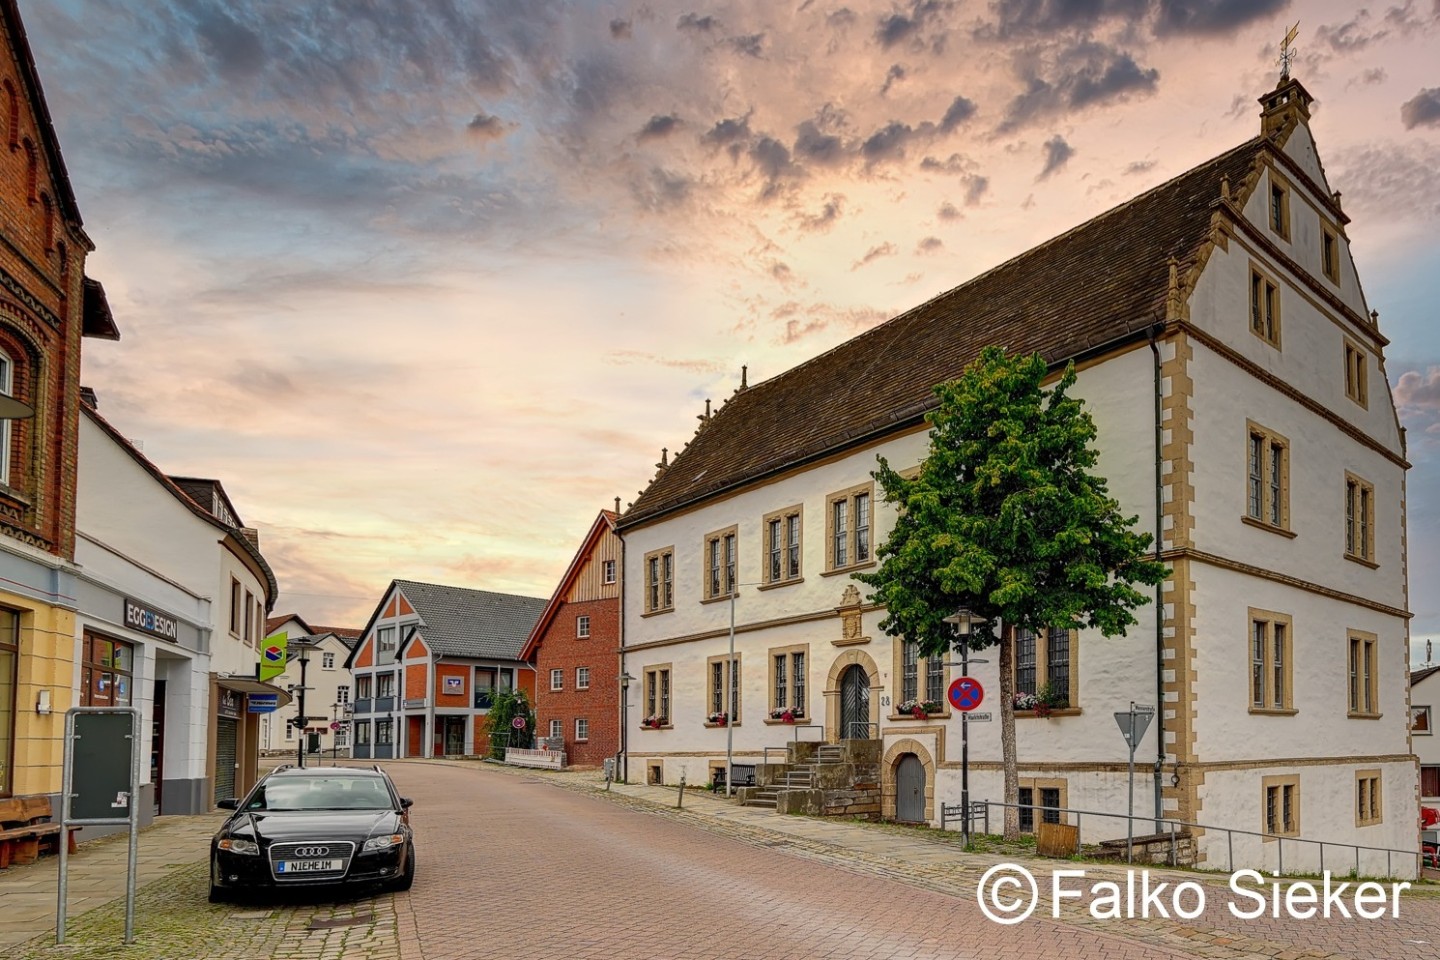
(1330, 254)
(1264, 308)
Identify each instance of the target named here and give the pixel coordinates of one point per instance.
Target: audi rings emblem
(310, 851)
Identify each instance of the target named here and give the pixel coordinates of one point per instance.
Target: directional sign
(976, 717)
(966, 694)
(262, 702)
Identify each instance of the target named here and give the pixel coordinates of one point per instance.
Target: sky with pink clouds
(428, 283)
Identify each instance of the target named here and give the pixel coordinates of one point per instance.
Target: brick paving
(509, 865)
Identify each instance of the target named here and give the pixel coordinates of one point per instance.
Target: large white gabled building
(1237, 378)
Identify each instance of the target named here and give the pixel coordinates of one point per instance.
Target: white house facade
(1237, 380)
(1424, 705)
(154, 624)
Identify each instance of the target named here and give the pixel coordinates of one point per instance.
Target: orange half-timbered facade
(428, 664)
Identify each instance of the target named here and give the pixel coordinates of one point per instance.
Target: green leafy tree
(1006, 518)
(505, 706)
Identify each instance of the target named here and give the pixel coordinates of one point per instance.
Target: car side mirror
(406, 803)
(229, 803)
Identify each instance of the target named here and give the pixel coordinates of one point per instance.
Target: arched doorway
(855, 704)
(910, 789)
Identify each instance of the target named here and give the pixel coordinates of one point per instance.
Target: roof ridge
(447, 586)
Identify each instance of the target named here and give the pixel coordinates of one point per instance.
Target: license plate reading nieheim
(307, 866)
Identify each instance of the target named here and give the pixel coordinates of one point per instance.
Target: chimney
(87, 397)
(251, 534)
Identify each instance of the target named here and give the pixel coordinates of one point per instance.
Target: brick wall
(600, 704)
(41, 298)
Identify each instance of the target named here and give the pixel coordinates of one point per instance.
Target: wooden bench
(26, 830)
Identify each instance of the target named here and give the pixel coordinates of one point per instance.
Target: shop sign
(142, 618)
(229, 704)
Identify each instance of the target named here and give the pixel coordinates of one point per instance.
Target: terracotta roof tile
(1087, 287)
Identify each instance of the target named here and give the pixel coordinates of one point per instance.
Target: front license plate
(308, 866)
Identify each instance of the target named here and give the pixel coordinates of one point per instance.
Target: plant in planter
(786, 714)
(1043, 702)
(919, 709)
(652, 722)
(719, 719)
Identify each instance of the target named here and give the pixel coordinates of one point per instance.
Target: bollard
(608, 778)
(680, 803)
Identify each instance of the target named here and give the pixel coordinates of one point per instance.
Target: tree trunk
(1007, 734)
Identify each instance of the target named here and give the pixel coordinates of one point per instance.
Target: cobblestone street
(521, 864)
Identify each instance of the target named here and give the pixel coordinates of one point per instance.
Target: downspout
(1160, 587)
(427, 749)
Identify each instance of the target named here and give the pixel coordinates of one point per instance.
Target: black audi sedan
(322, 826)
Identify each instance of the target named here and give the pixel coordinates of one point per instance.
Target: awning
(243, 685)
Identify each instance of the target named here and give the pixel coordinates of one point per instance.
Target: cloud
(1085, 75)
(960, 110)
(236, 49)
(659, 126)
(625, 358)
(772, 159)
(892, 76)
(621, 29)
(483, 126)
(1390, 181)
(1139, 166)
(886, 249)
(1372, 76)
(1350, 36)
(728, 131)
(929, 245)
(658, 190)
(948, 211)
(1212, 18)
(751, 45)
(1423, 109)
(975, 187)
(823, 220)
(906, 28)
(1057, 154)
(890, 141)
(815, 145)
(695, 23)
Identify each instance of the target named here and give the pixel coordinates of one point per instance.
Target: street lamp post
(964, 621)
(301, 718)
(625, 679)
(733, 700)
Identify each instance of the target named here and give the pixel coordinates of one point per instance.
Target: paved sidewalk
(97, 874)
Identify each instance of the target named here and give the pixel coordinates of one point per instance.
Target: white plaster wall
(1112, 672)
(1224, 727)
(1327, 813)
(231, 653)
(1319, 457)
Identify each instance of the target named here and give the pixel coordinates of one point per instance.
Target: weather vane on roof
(1286, 53)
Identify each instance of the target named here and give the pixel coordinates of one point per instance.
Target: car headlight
(383, 843)
(237, 845)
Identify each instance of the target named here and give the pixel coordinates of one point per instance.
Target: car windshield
(321, 793)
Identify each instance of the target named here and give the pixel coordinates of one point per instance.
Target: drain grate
(334, 922)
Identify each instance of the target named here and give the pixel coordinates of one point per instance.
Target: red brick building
(575, 648)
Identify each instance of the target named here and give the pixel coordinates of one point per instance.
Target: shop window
(106, 672)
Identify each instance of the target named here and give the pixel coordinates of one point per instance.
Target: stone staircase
(829, 779)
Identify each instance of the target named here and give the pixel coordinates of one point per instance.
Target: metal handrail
(1173, 823)
(765, 754)
(808, 726)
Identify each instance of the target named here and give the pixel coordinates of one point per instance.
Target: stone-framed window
(1357, 374)
(1369, 805)
(788, 676)
(783, 531)
(718, 682)
(1267, 479)
(850, 528)
(1270, 645)
(1280, 806)
(1264, 306)
(1364, 685)
(1359, 520)
(657, 694)
(660, 580)
(1279, 208)
(1330, 253)
(720, 560)
(921, 680)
